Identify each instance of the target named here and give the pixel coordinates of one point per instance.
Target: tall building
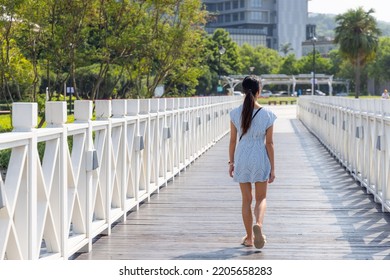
(271, 23)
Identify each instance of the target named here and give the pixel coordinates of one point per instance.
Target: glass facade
(261, 22)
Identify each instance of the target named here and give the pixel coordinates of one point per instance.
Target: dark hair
(251, 85)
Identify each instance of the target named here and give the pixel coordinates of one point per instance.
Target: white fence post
(56, 117)
(144, 149)
(119, 134)
(170, 132)
(161, 173)
(83, 114)
(25, 119)
(130, 198)
(154, 146)
(103, 176)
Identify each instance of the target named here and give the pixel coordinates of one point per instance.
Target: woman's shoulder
(236, 110)
(268, 113)
(267, 110)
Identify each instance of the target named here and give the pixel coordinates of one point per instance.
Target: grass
(265, 101)
(5, 123)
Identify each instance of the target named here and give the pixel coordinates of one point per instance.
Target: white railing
(67, 183)
(357, 133)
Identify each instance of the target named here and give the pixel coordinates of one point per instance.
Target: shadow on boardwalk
(315, 210)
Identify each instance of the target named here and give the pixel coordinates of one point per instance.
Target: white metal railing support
(55, 114)
(83, 114)
(25, 119)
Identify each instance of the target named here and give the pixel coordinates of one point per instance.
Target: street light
(313, 85)
(221, 50)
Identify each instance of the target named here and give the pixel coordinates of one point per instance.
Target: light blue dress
(251, 162)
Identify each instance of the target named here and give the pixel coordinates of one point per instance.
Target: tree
(213, 63)
(230, 62)
(289, 65)
(8, 13)
(357, 34)
(323, 65)
(380, 69)
(286, 48)
(263, 59)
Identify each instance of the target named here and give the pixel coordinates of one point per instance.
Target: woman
(385, 94)
(251, 160)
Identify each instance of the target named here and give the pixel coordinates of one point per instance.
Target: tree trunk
(102, 72)
(357, 78)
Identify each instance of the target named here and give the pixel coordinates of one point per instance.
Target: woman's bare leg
(261, 202)
(246, 192)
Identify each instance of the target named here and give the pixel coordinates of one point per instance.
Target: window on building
(211, 7)
(235, 4)
(220, 6)
(258, 16)
(242, 3)
(256, 3)
(235, 17)
(227, 18)
(242, 16)
(227, 6)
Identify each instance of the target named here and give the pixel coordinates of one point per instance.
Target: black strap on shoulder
(256, 113)
(252, 119)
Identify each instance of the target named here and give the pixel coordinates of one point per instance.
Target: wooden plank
(315, 210)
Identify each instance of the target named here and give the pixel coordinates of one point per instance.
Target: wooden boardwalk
(315, 210)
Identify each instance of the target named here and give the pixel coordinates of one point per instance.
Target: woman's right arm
(232, 147)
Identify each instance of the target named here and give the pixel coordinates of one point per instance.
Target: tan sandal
(260, 238)
(244, 242)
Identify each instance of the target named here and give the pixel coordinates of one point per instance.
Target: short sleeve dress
(251, 162)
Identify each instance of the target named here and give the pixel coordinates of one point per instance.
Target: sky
(341, 6)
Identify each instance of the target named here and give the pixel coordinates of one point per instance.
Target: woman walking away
(251, 158)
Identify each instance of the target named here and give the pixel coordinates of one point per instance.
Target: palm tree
(286, 48)
(357, 35)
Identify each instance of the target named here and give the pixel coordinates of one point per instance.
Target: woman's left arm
(269, 145)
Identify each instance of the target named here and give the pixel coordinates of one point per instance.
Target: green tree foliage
(17, 73)
(118, 48)
(264, 60)
(214, 64)
(322, 65)
(325, 25)
(285, 48)
(289, 65)
(8, 13)
(230, 63)
(380, 68)
(126, 49)
(357, 34)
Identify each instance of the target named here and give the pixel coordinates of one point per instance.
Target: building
(270, 23)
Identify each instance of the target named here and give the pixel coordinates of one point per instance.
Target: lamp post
(313, 84)
(221, 50)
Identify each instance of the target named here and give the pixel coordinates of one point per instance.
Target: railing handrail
(69, 182)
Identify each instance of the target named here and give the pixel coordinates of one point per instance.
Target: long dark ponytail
(250, 86)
